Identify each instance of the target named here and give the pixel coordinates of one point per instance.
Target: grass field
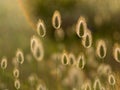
(59, 45)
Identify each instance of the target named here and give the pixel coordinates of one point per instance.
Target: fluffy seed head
(102, 88)
(88, 86)
(41, 30)
(87, 39)
(97, 84)
(116, 52)
(19, 56)
(17, 84)
(101, 49)
(32, 79)
(104, 69)
(111, 79)
(40, 87)
(56, 20)
(64, 58)
(81, 61)
(72, 60)
(4, 63)
(37, 48)
(33, 43)
(16, 73)
(81, 27)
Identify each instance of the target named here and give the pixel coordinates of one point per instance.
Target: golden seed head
(101, 49)
(32, 78)
(16, 73)
(111, 79)
(81, 27)
(116, 52)
(102, 88)
(41, 30)
(64, 58)
(104, 69)
(20, 56)
(4, 63)
(17, 84)
(33, 42)
(41, 87)
(81, 61)
(56, 20)
(72, 60)
(88, 86)
(97, 84)
(87, 39)
(37, 48)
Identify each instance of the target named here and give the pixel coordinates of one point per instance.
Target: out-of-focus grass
(15, 32)
(14, 29)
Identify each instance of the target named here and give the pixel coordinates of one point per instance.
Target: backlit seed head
(102, 88)
(87, 39)
(104, 69)
(56, 20)
(88, 86)
(97, 84)
(4, 63)
(17, 84)
(33, 43)
(81, 27)
(41, 87)
(101, 49)
(111, 79)
(38, 52)
(64, 58)
(41, 30)
(19, 56)
(81, 61)
(72, 60)
(116, 52)
(32, 79)
(37, 48)
(16, 73)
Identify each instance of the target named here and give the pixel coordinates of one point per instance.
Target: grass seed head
(4, 63)
(41, 30)
(81, 61)
(87, 39)
(56, 19)
(17, 84)
(16, 73)
(101, 49)
(111, 79)
(97, 84)
(72, 60)
(81, 27)
(20, 56)
(37, 49)
(65, 58)
(116, 52)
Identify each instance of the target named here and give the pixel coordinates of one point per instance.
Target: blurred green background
(16, 30)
